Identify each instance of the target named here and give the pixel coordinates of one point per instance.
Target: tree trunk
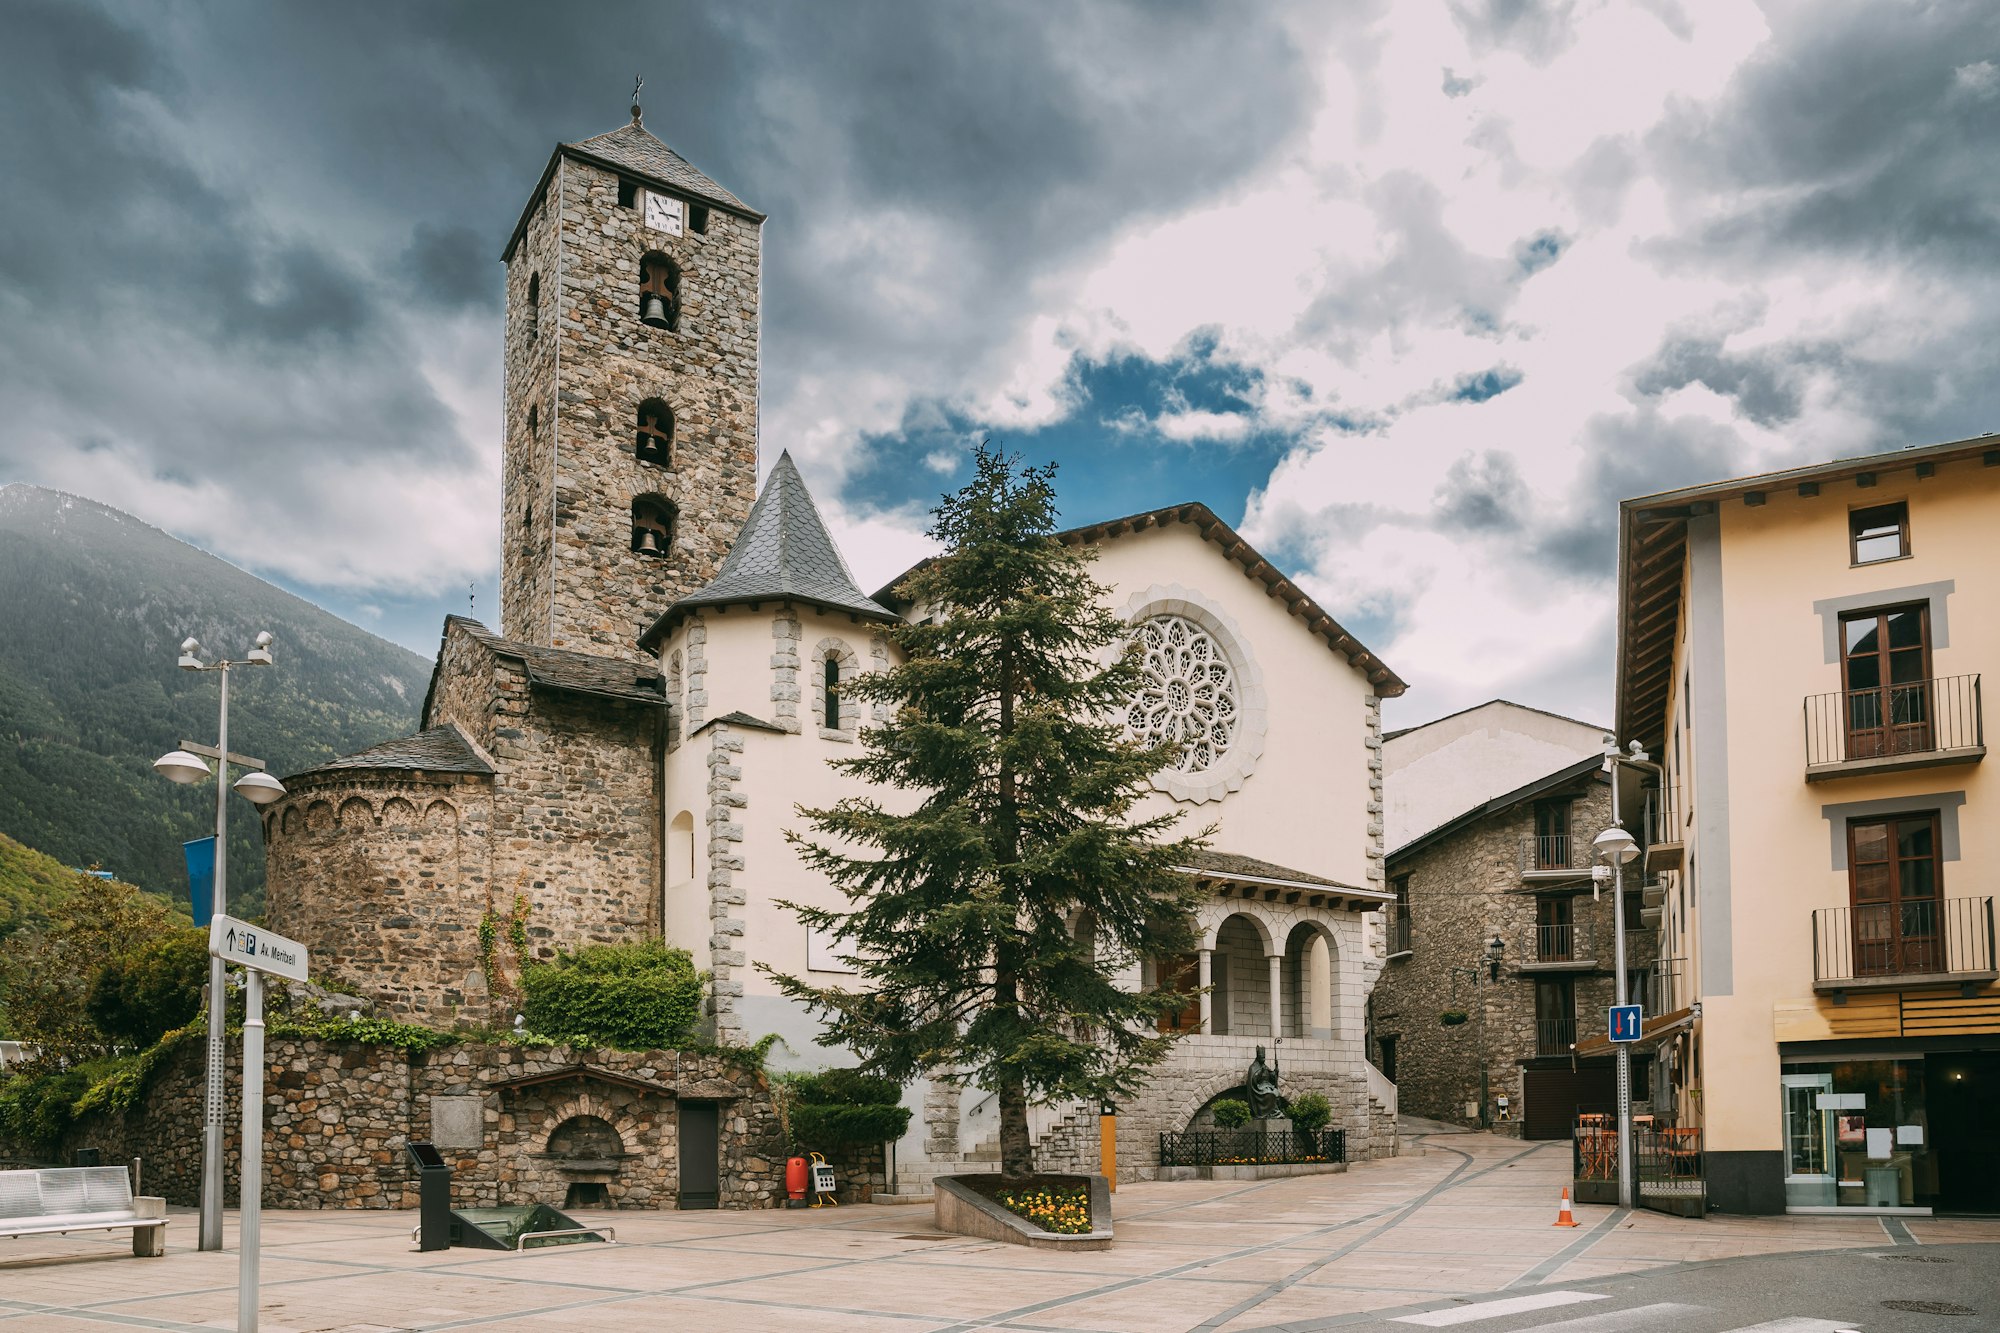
(1017, 1150)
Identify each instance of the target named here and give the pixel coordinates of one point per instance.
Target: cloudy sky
(1412, 292)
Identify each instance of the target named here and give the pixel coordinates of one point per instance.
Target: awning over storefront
(1651, 1034)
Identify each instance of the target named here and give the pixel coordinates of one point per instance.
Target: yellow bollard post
(1107, 1143)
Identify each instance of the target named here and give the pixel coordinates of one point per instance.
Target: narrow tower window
(652, 525)
(534, 306)
(698, 217)
(832, 686)
(534, 420)
(656, 433)
(659, 292)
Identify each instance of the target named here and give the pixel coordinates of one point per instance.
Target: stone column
(1277, 961)
(1207, 972)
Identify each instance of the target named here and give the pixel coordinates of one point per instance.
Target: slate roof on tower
(445, 749)
(783, 554)
(633, 150)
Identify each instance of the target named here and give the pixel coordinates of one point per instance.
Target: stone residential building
(1498, 918)
(623, 759)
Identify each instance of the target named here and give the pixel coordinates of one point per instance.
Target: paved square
(1472, 1215)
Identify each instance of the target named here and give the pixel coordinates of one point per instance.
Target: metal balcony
(1555, 856)
(1915, 724)
(1568, 947)
(1554, 1036)
(1665, 828)
(1896, 946)
(1398, 932)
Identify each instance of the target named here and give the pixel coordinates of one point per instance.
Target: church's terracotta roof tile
(783, 554)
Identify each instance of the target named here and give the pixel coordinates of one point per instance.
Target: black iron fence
(1252, 1147)
(1912, 718)
(1669, 1168)
(1925, 937)
(1554, 1036)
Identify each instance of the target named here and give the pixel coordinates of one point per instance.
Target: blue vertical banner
(201, 878)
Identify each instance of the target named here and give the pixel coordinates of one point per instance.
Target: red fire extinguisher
(795, 1182)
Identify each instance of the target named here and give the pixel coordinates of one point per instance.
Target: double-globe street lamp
(185, 766)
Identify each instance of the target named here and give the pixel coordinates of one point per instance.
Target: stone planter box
(1268, 1170)
(964, 1211)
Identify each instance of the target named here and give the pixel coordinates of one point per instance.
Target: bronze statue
(1265, 1101)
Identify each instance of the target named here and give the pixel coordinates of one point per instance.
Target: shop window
(1879, 532)
(655, 433)
(652, 525)
(659, 292)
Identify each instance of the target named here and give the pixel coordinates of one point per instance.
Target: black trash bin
(433, 1196)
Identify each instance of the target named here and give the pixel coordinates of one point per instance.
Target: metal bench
(60, 1200)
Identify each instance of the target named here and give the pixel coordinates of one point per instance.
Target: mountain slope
(96, 605)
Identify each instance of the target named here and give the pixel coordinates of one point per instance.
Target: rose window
(1187, 694)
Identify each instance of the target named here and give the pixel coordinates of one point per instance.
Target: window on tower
(534, 420)
(660, 292)
(655, 443)
(653, 524)
(831, 678)
(534, 306)
(698, 217)
(628, 192)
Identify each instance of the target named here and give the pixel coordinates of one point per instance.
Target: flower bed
(1065, 1211)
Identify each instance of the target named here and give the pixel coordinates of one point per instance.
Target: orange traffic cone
(1563, 1219)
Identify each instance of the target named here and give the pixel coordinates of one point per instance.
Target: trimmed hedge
(635, 997)
(838, 1106)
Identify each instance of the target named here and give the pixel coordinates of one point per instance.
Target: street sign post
(256, 951)
(1625, 1022)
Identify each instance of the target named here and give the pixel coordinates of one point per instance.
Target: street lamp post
(1616, 848)
(186, 765)
(1489, 964)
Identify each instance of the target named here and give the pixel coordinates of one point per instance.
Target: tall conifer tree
(989, 913)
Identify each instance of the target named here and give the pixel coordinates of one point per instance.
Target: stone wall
(582, 586)
(383, 876)
(1464, 890)
(339, 1113)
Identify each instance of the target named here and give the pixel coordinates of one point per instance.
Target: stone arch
(1240, 976)
(356, 813)
(398, 812)
(1309, 975)
(292, 820)
(1191, 1098)
(834, 663)
(441, 815)
(319, 817)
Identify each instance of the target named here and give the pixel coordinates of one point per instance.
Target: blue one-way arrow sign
(1625, 1022)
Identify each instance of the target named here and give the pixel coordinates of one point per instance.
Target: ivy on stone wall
(633, 997)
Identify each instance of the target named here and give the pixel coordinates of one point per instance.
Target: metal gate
(1552, 1097)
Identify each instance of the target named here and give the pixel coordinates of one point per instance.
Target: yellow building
(1800, 654)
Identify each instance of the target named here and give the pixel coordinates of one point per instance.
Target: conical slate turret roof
(783, 554)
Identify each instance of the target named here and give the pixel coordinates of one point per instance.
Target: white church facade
(624, 758)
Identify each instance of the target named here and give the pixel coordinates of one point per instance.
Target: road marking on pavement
(1798, 1326)
(1666, 1314)
(1466, 1314)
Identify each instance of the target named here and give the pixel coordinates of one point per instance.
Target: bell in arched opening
(654, 312)
(659, 292)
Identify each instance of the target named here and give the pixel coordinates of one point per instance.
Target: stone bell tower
(631, 391)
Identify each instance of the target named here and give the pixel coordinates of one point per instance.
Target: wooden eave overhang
(1652, 558)
(1291, 892)
(1277, 585)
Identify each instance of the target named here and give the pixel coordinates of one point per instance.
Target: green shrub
(139, 998)
(634, 997)
(1230, 1113)
(1310, 1112)
(37, 1107)
(838, 1106)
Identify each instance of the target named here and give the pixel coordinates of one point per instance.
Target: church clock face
(663, 213)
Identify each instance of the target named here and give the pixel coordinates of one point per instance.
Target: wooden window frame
(1889, 699)
(1854, 534)
(1893, 935)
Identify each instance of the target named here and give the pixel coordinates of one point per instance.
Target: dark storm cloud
(238, 237)
(1851, 131)
(1482, 494)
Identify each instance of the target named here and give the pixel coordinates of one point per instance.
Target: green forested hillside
(93, 605)
(30, 883)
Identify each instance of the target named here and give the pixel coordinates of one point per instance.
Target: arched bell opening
(653, 525)
(655, 433)
(659, 292)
